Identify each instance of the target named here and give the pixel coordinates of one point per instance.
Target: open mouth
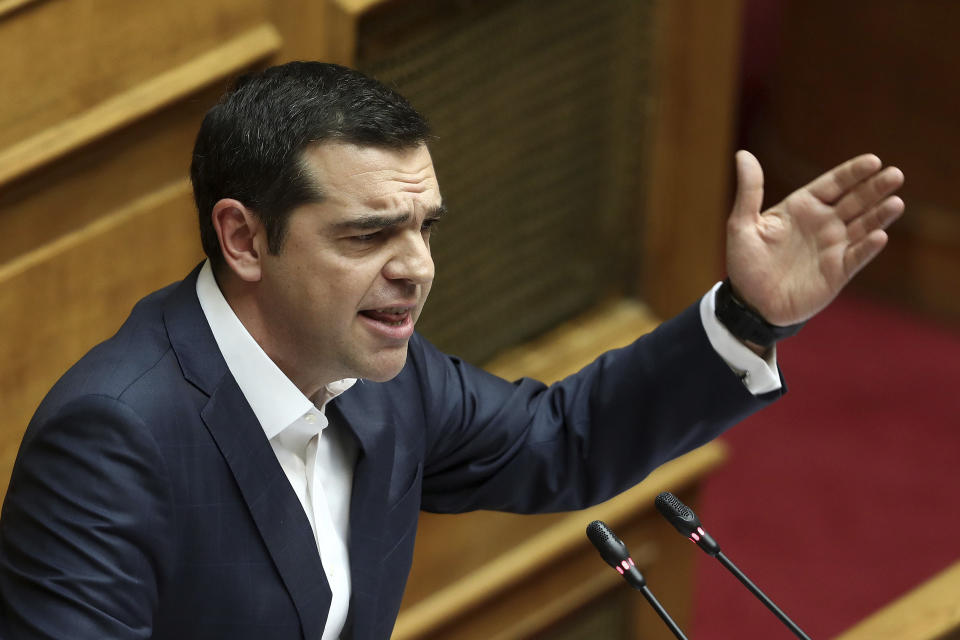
(393, 317)
(390, 323)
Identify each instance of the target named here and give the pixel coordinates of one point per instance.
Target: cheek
(307, 297)
(423, 299)
(327, 285)
(344, 290)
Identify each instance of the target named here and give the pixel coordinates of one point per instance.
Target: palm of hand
(791, 260)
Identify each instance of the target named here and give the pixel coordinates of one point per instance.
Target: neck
(242, 298)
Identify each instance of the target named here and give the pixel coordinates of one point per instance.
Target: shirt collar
(275, 400)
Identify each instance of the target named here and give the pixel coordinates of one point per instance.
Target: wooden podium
(929, 612)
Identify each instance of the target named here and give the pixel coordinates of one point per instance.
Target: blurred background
(585, 152)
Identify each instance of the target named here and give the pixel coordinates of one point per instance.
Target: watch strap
(745, 323)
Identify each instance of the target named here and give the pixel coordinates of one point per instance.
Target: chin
(386, 368)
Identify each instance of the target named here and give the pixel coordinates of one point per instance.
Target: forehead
(373, 177)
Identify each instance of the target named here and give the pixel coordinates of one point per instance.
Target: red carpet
(844, 494)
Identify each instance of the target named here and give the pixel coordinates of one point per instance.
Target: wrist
(746, 324)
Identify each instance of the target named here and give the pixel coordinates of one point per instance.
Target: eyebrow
(371, 221)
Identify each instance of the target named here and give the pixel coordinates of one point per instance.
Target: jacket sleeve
(85, 527)
(525, 447)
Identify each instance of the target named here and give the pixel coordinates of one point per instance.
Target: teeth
(400, 313)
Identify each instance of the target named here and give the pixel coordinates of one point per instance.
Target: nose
(412, 260)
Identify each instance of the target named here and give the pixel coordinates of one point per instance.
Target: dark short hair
(250, 145)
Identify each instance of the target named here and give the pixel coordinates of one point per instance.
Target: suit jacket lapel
(274, 506)
(368, 504)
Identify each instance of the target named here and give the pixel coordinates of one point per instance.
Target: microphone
(615, 553)
(686, 522)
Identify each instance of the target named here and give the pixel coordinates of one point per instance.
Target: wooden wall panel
(136, 102)
(82, 187)
(62, 58)
(303, 24)
(691, 166)
(11, 6)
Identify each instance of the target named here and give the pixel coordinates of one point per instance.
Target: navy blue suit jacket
(146, 501)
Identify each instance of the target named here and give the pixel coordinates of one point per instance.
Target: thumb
(749, 199)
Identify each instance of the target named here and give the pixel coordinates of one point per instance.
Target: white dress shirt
(317, 460)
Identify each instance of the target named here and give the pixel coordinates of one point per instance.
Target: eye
(365, 237)
(429, 225)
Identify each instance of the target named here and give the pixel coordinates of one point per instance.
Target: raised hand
(791, 260)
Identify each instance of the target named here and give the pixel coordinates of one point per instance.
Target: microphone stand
(755, 590)
(661, 612)
(615, 553)
(686, 522)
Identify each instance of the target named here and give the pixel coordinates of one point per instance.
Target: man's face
(341, 298)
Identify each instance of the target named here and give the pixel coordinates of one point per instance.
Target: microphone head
(615, 553)
(611, 548)
(677, 513)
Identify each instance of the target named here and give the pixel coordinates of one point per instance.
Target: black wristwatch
(745, 323)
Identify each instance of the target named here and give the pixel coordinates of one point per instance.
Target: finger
(858, 255)
(831, 186)
(879, 217)
(749, 198)
(868, 193)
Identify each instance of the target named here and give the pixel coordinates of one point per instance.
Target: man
(247, 457)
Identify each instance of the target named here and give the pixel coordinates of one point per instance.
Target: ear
(242, 238)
